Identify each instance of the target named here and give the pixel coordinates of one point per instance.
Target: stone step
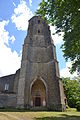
(38, 108)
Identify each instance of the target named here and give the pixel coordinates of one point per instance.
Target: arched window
(38, 21)
(38, 31)
(6, 87)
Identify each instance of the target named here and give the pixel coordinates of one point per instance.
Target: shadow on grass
(13, 110)
(20, 110)
(62, 117)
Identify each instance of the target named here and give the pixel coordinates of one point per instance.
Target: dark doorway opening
(37, 101)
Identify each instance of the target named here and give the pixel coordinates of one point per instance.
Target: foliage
(46, 10)
(65, 15)
(72, 91)
(67, 107)
(78, 105)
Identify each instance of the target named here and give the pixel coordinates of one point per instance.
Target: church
(37, 84)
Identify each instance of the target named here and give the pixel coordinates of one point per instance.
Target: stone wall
(7, 100)
(62, 94)
(7, 80)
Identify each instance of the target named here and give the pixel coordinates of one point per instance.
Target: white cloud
(21, 16)
(30, 2)
(57, 39)
(65, 71)
(4, 35)
(9, 61)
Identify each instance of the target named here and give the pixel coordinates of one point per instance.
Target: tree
(46, 10)
(65, 15)
(72, 91)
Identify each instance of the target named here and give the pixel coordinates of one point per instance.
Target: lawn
(43, 115)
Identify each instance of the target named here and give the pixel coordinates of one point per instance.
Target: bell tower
(39, 81)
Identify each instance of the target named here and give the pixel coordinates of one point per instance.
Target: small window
(38, 21)
(48, 28)
(6, 87)
(38, 31)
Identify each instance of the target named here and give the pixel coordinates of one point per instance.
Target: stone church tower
(39, 82)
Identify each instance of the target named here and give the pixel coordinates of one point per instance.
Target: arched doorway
(38, 93)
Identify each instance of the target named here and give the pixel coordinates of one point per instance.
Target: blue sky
(14, 16)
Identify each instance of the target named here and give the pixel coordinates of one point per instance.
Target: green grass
(11, 114)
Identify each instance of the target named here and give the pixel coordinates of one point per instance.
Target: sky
(14, 16)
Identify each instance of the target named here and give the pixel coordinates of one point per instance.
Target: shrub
(67, 107)
(78, 105)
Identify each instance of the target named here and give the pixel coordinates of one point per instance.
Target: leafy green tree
(72, 91)
(65, 15)
(78, 78)
(46, 10)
